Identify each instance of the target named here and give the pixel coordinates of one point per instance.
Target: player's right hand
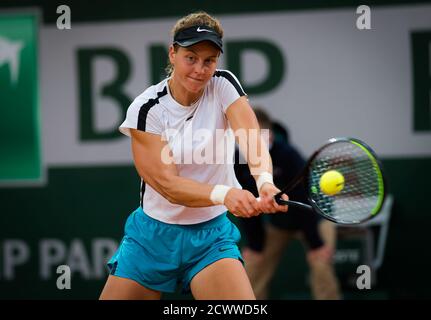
(242, 203)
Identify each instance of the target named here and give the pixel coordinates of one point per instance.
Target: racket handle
(293, 204)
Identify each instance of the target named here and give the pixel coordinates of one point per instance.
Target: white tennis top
(199, 137)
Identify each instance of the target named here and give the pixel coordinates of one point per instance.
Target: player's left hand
(267, 201)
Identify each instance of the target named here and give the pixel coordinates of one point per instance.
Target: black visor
(195, 34)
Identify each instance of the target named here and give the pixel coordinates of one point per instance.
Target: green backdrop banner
(20, 154)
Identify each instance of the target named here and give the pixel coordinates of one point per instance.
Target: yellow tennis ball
(331, 182)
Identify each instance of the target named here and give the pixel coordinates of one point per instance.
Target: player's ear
(172, 53)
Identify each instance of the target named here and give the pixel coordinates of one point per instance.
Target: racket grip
(293, 204)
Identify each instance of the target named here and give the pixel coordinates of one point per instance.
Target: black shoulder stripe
(145, 108)
(142, 193)
(231, 79)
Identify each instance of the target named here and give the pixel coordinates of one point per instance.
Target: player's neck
(181, 95)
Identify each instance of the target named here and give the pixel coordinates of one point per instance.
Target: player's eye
(209, 61)
(190, 59)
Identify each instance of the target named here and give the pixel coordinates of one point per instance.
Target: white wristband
(264, 177)
(219, 193)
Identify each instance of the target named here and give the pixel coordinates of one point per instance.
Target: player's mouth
(197, 80)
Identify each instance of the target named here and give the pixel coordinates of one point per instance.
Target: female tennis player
(180, 234)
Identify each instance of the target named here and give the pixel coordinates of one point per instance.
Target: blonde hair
(200, 18)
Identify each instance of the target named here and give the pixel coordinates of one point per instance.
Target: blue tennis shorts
(161, 256)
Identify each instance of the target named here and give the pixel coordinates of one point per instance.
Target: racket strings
(361, 192)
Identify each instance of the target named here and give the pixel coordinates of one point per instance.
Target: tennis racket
(362, 193)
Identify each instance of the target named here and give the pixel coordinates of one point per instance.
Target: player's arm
(244, 123)
(247, 133)
(154, 163)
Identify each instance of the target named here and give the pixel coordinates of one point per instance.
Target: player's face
(194, 65)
